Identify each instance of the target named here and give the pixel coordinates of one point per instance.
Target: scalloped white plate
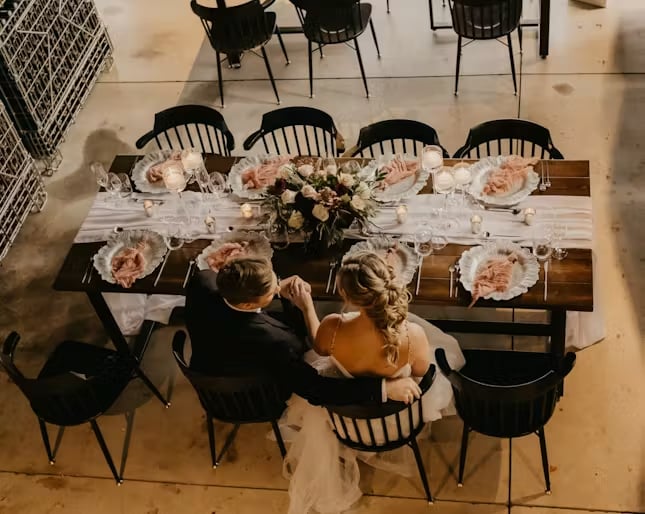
(154, 252)
(480, 171)
(405, 264)
(525, 272)
(235, 176)
(140, 171)
(401, 190)
(259, 246)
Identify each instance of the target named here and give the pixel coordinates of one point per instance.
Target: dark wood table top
(570, 280)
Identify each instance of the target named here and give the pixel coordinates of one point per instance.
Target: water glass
(113, 186)
(172, 236)
(438, 242)
(542, 243)
(100, 175)
(432, 158)
(217, 184)
(126, 185)
(423, 243)
(559, 231)
(278, 235)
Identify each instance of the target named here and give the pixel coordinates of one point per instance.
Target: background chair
(190, 126)
(233, 399)
(506, 394)
(301, 130)
(506, 137)
(383, 427)
(486, 19)
(234, 30)
(332, 22)
(77, 384)
(394, 136)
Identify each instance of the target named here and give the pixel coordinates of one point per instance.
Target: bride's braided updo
(368, 282)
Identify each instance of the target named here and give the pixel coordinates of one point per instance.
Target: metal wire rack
(51, 53)
(21, 186)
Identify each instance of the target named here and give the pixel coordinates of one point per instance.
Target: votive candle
(247, 210)
(402, 213)
(475, 224)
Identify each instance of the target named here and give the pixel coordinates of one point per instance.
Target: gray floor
(590, 92)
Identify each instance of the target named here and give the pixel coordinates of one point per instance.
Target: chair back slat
(485, 19)
(401, 135)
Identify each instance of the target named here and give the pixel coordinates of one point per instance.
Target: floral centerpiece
(321, 203)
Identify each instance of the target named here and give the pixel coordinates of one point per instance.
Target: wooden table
(570, 280)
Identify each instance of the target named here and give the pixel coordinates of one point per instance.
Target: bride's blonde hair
(367, 281)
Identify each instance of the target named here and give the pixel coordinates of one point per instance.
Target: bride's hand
(402, 390)
(300, 294)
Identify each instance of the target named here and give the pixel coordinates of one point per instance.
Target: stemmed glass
(113, 187)
(542, 249)
(278, 234)
(218, 184)
(463, 178)
(192, 161)
(172, 236)
(100, 175)
(126, 185)
(328, 165)
(432, 161)
(423, 248)
(559, 230)
(444, 184)
(175, 181)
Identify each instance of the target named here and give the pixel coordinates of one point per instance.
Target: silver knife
(163, 265)
(188, 273)
(546, 279)
(419, 275)
(332, 265)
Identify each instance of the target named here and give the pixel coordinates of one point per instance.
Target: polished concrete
(590, 92)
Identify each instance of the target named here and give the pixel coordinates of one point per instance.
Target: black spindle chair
(77, 384)
(301, 130)
(506, 137)
(370, 428)
(190, 126)
(506, 394)
(234, 399)
(333, 22)
(395, 136)
(486, 19)
(234, 30)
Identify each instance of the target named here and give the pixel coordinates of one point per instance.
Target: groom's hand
(402, 390)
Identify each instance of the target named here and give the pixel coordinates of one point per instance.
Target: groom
(231, 333)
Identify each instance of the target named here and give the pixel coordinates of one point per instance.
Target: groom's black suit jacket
(225, 342)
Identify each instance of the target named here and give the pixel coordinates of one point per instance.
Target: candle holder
(246, 209)
(529, 215)
(402, 213)
(475, 224)
(149, 208)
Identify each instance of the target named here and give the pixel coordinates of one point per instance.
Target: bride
(380, 339)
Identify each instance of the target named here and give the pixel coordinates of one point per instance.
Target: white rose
(309, 191)
(346, 179)
(363, 190)
(357, 203)
(296, 220)
(321, 212)
(306, 170)
(288, 196)
(284, 171)
(331, 169)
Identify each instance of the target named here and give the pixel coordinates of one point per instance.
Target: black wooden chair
(303, 130)
(506, 394)
(233, 399)
(234, 30)
(486, 19)
(383, 427)
(506, 137)
(333, 22)
(77, 384)
(190, 126)
(394, 136)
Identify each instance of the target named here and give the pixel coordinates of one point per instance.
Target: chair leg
(462, 454)
(219, 78)
(266, 61)
(106, 452)
(278, 438)
(211, 439)
(360, 63)
(320, 49)
(432, 25)
(139, 372)
(519, 36)
(284, 49)
(545, 460)
(387, 3)
(510, 54)
(311, 69)
(229, 440)
(378, 51)
(48, 448)
(458, 64)
(422, 471)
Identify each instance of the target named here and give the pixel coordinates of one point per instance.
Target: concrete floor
(590, 92)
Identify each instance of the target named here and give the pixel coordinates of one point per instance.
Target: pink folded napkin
(225, 253)
(398, 170)
(128, 265)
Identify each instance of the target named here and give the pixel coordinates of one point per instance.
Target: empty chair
(234, 30)
(301, 130)
(77, 384)
(486, 19)
(506, 137)
(384, 427)
(190, 126)
(394, 136)
(506, 394)
(233, 399)
(333, 22)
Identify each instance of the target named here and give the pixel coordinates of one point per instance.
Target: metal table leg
(119, 341)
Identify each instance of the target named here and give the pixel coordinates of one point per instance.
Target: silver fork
(332, 266)
(542, 186)
(548, 175)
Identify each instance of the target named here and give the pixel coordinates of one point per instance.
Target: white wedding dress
(323, 473)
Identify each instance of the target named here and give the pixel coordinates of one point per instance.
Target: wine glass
(559, 232)
(423, 248)
(351, 167)
(542, 243)
(126, 185)
(432, 158)
(444, 184)
(218, 184)
(328, 165)
(192, 161)
(172, 236)
(278, 234)
(113, 186)
(463, 177)
(100, 175)
(438, 242)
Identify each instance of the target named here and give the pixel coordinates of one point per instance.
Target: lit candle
(148, 207)
(475, 224)
(331, 169)
(173, 178)
(191, 160)
(462, 174)
(247, 210)
(529, 215)
(402, 213)
(210, 224)
(431, 159)
(444, 181)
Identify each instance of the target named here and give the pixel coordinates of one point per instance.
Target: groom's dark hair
(245, 280)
